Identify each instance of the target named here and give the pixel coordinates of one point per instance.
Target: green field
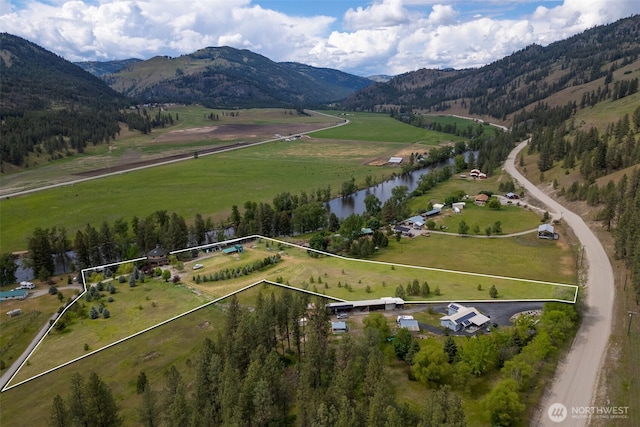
(209, 185)
(381, 127)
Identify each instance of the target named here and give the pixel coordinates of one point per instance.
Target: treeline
(621, 88)
(55, 133)
(59, 133)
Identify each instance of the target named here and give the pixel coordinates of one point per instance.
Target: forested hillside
(51, 108)
(515, 82)
(228, 77)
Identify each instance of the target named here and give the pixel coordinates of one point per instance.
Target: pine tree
(175, 399)
(451, 349)
(149, 411)
(78, 401)
(101, 406)
(58, 415)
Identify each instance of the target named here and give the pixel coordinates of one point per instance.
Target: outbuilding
(403, 230)
(410, 325)
(14, 294)
(481, 199)
(14, 312)
(546, 231)
(416, 221)
(233, 249)
(339, 327)
(432, 212)
(384, 303)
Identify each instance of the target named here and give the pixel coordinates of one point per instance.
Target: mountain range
(517, 81)
(578, 70)
(227, 77)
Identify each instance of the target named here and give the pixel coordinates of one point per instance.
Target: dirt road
(576, 377)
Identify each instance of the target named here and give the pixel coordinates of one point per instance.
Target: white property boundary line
(214, 301)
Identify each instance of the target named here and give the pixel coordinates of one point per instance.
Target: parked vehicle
(26, 285)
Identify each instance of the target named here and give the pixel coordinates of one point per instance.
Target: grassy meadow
(378, 127)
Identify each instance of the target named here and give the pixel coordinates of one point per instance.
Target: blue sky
(357, 36)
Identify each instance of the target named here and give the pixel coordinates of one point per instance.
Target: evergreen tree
(101, 406)
(149, 411)
(451, 349)
(58, 415)
(175, 399)
(8, 269)
(142, 382)
(41, 252)
(78, 401)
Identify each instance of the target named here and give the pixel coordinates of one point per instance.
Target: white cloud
(385, 13)
(443, 14)
(384, 36)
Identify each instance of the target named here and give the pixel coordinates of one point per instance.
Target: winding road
(575, 381)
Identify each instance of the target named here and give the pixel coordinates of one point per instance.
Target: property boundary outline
(262, 281)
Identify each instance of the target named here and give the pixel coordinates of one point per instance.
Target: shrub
(93, 313)
(105, 313)
(53, 290)
(493, 292)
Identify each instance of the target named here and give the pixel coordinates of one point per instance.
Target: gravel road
(576, 377)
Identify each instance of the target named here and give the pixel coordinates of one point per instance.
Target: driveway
(576, 377)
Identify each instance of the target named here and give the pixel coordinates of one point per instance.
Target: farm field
(209, 185)
(382, 128)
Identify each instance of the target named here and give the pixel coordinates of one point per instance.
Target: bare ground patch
(231, 132)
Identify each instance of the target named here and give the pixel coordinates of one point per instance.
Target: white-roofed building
(546, 231)
(460, 317)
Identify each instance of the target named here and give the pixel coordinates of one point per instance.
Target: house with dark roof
(401, 229)
(158, 256)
